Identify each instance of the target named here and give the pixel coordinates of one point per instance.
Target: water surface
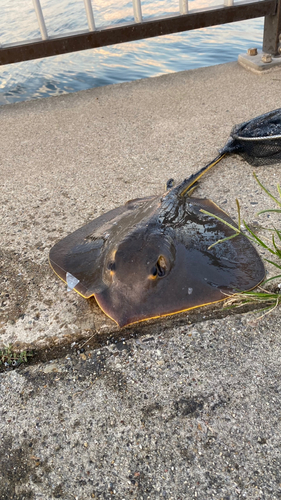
(117, 63)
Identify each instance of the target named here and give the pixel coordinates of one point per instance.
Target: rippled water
(117, 63)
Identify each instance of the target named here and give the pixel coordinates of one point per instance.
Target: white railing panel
(183, 6)
(40, 19)
(137, 11)
(90, 15)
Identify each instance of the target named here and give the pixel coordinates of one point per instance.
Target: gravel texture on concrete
(66, 160)
(192, 413)
(182, 408)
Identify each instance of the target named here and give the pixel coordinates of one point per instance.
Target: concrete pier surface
(178, 408)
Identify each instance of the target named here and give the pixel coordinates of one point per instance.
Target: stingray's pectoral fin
(78, 281)
(79, 257)
(79, 263)
(137, 202)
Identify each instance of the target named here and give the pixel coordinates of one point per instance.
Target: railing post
(90, 15)
(183, 6)
(137, 11)
(272, 32)
(40, 19)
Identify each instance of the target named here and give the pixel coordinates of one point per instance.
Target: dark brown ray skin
(115, 255)
(78, 255)
(84, 252)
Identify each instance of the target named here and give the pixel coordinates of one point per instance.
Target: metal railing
(184, 20)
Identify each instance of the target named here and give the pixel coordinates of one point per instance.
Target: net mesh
(258, 141)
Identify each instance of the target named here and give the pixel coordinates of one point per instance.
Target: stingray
(151, 257)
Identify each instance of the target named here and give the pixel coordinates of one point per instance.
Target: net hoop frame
(256, 139)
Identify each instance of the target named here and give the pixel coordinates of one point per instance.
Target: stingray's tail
(187, 186)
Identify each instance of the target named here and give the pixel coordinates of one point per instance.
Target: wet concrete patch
(18, 467)
(189, 406)
(158, 416)
(21, 281)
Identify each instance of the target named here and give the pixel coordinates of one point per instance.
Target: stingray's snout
(140, 259)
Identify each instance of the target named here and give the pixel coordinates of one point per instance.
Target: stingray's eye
(111, 267)
(154, 272)
(160, 268)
